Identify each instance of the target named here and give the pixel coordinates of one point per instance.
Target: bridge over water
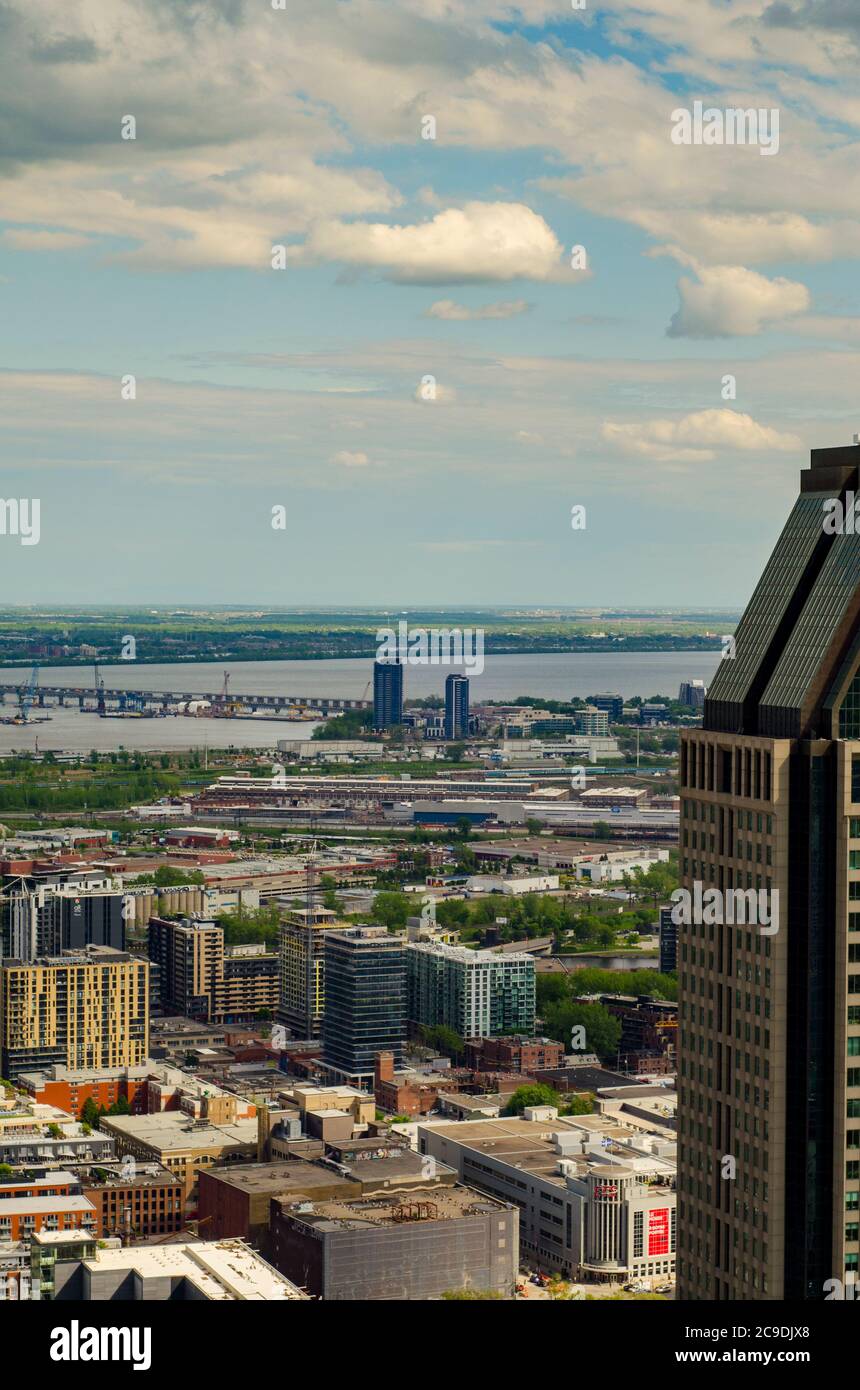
(88, 697)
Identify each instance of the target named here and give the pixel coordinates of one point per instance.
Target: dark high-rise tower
(365, 1001)
(387, 694)
(457, 707)
(769, 1048)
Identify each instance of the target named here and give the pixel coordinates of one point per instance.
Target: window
(849, 713)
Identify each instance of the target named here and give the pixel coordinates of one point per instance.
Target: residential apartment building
(456, 706)
(81, 1011)
(477, 993)
(523, 1055)
(148, 1201)
(301, 954)
(387, 694)
(46, 918)
(202, 979)
(190, 957)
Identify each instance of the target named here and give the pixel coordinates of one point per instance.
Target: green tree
(444, 1040)
(602, 1030)
(391, 909)
(579, 1104)
(535, 1094)
(551, 989)
(90, 1113)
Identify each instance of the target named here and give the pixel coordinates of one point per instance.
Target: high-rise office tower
(769, 1009)
(387, 694)
(365, 1001)
(83, 1010)
(457, 706)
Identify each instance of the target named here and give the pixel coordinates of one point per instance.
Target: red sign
(658, 1231)
(605, 1189)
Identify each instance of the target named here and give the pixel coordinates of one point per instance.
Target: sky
(331, 284)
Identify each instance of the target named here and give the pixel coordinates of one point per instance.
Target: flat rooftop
(529, 1144)
(291, 1176)
(173, 1131)
(43, 1206)
(438, 1204)
(223, 1270)
(58, 1178)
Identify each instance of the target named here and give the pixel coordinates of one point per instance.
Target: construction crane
(226, 708)
(100, 689)
(26, 695)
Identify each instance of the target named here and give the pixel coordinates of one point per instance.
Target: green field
(55, 636)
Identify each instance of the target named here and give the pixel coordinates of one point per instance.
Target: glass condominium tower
(769, 1009)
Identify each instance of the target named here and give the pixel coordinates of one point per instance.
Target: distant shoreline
(614, 646)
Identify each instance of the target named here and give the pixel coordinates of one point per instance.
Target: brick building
(149, 1203)
(513, 1054)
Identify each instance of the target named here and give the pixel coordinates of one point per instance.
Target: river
(554, 676)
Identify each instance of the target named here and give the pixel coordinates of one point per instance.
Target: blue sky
(408, 258)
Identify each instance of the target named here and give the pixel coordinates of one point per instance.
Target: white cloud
(25, 239)
(731, 301)
(837, 328)
(347, 458)
(697, 437)
(477, 243)
(461, 313)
